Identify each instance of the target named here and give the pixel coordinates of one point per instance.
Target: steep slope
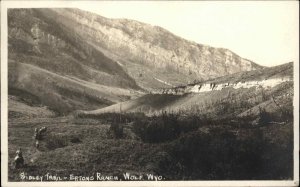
(67, 52)
(150, 53)
(62, 94)
(44, 56)
(238, 94)
(37, 39)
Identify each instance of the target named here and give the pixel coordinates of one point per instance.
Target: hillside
(87, 52)
(217, 134)
(117, 97)
(237, 94)
(146, 52)
(57, 66)
(62, 94)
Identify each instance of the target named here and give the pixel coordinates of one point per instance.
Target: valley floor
(86, 147)
(73, 146)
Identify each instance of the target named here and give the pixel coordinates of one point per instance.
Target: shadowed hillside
(237, 94)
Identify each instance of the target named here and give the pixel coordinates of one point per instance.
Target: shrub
(286, 114)
(190, 123)
(222, 155)
(158, 128)
(264, 117)
(117, 130)
(165, 127)
(75, 140)
(56, 141)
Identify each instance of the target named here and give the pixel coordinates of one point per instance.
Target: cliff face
(135, 45)
(114, 52)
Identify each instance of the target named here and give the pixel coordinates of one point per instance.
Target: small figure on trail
(39, 132)
(19, 160)
(38, 135)
(37, 144)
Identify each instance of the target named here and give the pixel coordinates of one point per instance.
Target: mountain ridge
(119, 53)
(138, 44)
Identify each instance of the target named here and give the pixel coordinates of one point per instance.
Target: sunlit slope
(58, 67)
(61, 93)
(147, 52)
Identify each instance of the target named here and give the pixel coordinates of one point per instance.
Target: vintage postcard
(151, 93)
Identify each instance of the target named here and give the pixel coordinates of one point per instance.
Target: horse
(38, 133)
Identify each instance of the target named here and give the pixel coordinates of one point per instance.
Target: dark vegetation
(183, 145)
(186, 145)
(178, 147)
(25, 97)
(164, 127)
(199, 147)
(223, 155)
(53, 141)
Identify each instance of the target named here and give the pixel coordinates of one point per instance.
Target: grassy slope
(83, 146)
(19, 109)
(59, 61)
(242, 100)
(61, 93)
(224, 147)
(60, 49)
(96, 151)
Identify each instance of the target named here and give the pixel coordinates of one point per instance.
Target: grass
(61, 94)
(181, 137)
(202, 149)
(206, 141)
(96, 150)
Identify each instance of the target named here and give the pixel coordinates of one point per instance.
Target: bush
(117, 130)
(75, 140)
(56, 141)
(165, 127)
(158, 128)
(190, 123)
(286, 114)
(222, 155)
(114, 117)
(264, 117)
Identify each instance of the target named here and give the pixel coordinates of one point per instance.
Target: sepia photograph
(151, 93)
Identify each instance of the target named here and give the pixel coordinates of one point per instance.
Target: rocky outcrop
(117, 52)
(133, 43)
(207, 87)
(260, 79)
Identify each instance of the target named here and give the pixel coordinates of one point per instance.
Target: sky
(266, 32)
